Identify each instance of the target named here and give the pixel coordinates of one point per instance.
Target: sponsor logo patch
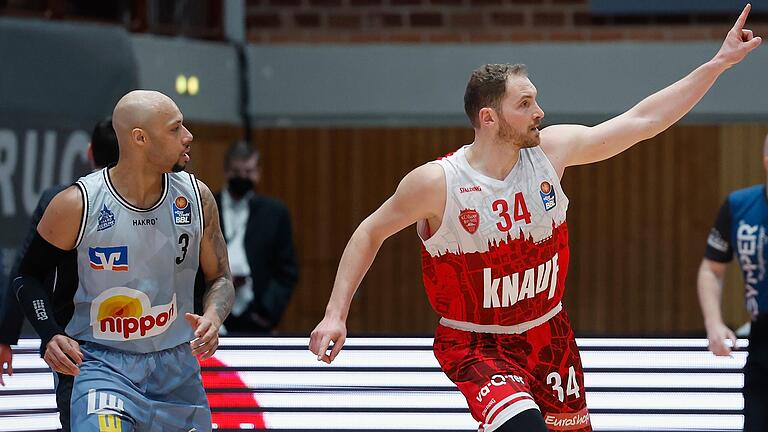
(106, 219)
(108, 407)
(567, 421)
(114, 258)
(547, 193)
(182, 211)
(145, 222)
(470, 220)
(123, 313)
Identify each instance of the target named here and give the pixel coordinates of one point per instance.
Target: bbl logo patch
(182, 211)
(470, 220)
(106, 219)
(113, 258)
(547, 193)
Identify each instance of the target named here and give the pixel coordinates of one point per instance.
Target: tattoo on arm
(220, 293)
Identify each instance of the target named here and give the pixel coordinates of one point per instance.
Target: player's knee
(527, 421)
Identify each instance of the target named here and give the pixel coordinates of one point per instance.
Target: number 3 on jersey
(501, 207)
(184, 243)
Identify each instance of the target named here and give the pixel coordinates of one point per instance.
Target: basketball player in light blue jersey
(141, 229)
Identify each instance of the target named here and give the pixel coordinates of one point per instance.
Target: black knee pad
(527, 421)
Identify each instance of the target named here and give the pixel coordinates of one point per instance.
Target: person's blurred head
(150, 131)
(103, 149)
(241, 168)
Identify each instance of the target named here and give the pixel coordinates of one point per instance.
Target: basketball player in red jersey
(491, 217)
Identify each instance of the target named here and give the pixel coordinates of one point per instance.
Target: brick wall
(469, 21)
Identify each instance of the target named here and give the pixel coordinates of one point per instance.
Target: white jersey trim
(84, 216)
(500, 329)
(196, 188)
(130, 206)
(424, 223)
(510, 411)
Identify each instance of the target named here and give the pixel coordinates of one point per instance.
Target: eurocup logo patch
(547, 193)
(470, 220)
(114, 258)
(122, 313)
(182, 211)
(106, 219)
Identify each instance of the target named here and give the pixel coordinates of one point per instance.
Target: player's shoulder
(205, 191)
(748, 194)
(69, 197)
(427, 177)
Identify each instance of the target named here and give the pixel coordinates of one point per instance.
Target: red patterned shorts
(502, 375)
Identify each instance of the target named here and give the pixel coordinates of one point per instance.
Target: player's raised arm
(568, 145)
(220, 293)
(420, 195)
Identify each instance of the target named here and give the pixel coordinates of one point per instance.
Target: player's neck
(492, 158)
(140, 186)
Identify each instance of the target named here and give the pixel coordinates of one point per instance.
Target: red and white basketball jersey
(498, 261)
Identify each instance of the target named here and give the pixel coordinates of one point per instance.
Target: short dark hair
(240, 150)
(104, 144)
(487, 86)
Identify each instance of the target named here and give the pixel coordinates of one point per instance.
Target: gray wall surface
(424, 84)
(161, 59)
(56, 81)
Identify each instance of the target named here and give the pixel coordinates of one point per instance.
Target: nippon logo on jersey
(470, 220)
(547, 193)
(122, 313)
(106, 219)
(182, 211)
(114, 258)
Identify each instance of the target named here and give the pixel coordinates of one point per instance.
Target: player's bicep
(61, 221)
(569, 145)
(420, 195)
(214, 261)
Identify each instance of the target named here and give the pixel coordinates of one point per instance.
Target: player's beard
(508, 134)
(178, 168)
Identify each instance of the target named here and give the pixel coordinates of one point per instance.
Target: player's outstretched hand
(6, 361)
(206, 340)
(329, 330)
(739, 41)
(717, 336)
(63, 355)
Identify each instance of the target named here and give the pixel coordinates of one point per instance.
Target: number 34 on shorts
(572, 387)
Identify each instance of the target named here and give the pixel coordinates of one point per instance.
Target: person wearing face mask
(260, 245)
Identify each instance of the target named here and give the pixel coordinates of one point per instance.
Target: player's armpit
(214, 261)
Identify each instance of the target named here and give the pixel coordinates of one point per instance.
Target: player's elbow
(370, 233)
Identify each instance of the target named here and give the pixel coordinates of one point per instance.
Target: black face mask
(239, 186)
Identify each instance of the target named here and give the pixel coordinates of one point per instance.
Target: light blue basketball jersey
(137, 266)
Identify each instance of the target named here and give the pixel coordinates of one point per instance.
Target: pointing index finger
(743, 17)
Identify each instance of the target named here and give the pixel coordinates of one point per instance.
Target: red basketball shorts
(502, 375)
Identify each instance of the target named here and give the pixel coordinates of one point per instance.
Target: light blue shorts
(119, 391)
